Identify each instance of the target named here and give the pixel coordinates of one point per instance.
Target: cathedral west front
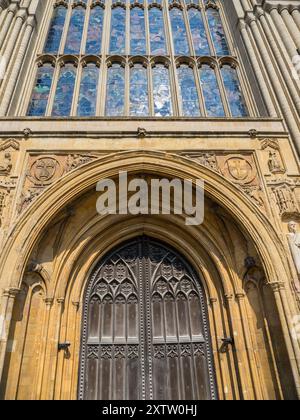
(143, 306)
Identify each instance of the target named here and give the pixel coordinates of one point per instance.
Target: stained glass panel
(162, 91)
(64, 92)
(56, 30)
(234, 93)
(139, 102)
(180, 41)
(118, 31)
(157, 31)
(217, 32)
(199, 36)
(178, 31)
(115, 96)
(211, 92)
(74, 37)
(41, 91)
(137, 31)
(188, 92)
(94, 35)
(88, 91)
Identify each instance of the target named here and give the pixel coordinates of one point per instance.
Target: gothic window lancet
(138, 58)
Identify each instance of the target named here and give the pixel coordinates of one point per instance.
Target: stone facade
(247, 250)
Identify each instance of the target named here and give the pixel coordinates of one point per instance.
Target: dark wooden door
(145, 328)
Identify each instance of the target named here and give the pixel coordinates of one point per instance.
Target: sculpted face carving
(45, 169)
(292, 226)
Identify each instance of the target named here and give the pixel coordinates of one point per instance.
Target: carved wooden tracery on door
(145, 328)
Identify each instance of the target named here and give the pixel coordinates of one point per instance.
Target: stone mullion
(291, 25)
(30, 24)
(282, 305)
(264, 89)
(7, 21)
(199, 89)
(55, 79)
(284, 104)
(174, 87)
(105, 53)
(278, 56)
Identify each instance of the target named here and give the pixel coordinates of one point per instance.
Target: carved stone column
(278, 55)
(30, 24)
(296, 16)
(257, 69)
(8, 299)
(291, 25)
(273, 77)
(278, 289)
(7, 22)
(284, 32)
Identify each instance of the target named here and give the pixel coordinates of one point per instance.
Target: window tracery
(162, 58)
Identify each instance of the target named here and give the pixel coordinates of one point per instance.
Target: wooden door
(145, 329)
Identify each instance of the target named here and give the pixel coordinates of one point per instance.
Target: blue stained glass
(118, 31)
(88, 91)
(115, 95)
(137, 31)
(200, 41)
(139, 104)
(41, 91)
(188, 92)
(75, 32)
(211, 92)
(180, 40)
(64, 92)
(94, 35)
(217, 32)
(56, 30)
(234, 93)
(161, 91)
(157, 31)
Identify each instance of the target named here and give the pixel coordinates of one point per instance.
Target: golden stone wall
(246, 251)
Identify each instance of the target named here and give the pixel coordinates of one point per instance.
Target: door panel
(145, 330)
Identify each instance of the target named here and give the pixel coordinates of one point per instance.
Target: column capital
(31, 21)
(250, 18)
(276, 286)
(259, 11)
(11, 293)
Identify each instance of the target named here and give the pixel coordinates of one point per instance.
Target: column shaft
(256, 67)
(16, 69)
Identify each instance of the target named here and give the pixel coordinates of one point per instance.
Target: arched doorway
(145, 328)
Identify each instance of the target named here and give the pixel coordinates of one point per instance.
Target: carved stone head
(292, 226)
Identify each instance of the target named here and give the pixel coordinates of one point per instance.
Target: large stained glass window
(138, 58)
